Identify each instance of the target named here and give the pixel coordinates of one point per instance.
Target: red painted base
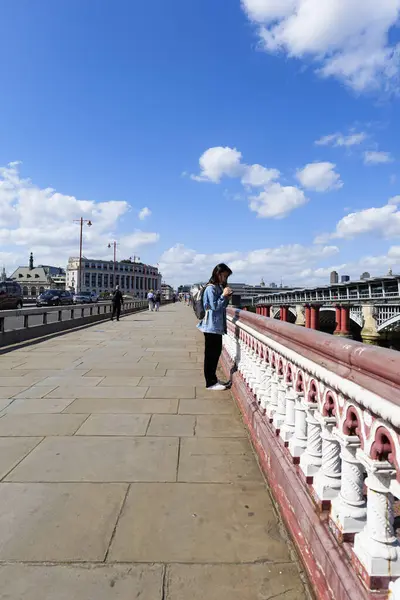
(327, 563)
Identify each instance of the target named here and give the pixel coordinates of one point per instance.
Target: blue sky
(109, 107)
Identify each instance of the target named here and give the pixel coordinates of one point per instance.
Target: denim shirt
(215, 306)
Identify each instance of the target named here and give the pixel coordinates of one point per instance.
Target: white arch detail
(387, 324)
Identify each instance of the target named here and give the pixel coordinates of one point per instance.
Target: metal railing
(28, 323)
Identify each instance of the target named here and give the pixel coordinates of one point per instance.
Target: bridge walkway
(121, 477)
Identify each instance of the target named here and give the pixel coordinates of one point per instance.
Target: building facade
(101, 276)
(167, 291)
(36, 280)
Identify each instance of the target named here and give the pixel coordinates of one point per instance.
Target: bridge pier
(300, 316)
(369, 332)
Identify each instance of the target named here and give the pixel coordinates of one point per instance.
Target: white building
(35, 280)
(133, 278)
(167, 291)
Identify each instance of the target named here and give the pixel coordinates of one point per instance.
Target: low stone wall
(100, 312)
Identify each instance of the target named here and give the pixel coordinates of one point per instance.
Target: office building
(334, 277)
(345, 278)
(101, 276)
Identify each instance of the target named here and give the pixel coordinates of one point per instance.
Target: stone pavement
(122, 477)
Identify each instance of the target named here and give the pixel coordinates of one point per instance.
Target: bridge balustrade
(324, 417)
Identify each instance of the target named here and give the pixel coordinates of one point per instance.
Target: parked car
(94, 297)
(83, 298)
(10, 295)
(54, 298)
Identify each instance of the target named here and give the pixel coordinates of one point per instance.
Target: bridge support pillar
(300, 315)
(314, 324)
(307, 311)
(345, 321)
(369, 332)
(267, 311)
(284, 313)
(338, 319)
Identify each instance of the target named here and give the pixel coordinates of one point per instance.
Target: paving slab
(220, 426)
(81, 582)
(12, 451)
(71, 391)
(172, 425)
(117, 382)
(123, 405)
(203, 523)
(37, 405)
(100, 459)
(58, 522)
(215, 460)
(115, 425)
(11, 392)
(77, 380)
(39, 424)
(36, 391)
(234, 582)
(204, 406)
(123, 372)
(169, 392)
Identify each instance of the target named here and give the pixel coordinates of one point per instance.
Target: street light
(110, 245)
(81, 221)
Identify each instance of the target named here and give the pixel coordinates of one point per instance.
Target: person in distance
(215, 299)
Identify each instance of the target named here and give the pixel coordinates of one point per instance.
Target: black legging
(212, 352)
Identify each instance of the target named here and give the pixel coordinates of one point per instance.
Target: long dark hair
(221, 268)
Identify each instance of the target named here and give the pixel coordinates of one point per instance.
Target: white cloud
(375, 157)
(348, 39)
(42, 220)
(144, 213)
(218, 162)
(319, 176)
(184, 265)
(383, 221)
(277, 201)
(338, 139)
(258, 176)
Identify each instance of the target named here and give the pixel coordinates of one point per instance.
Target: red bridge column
(267, 311)
(345, 320)
(338, 319)
(308, 316)
(285, 313)
(315, 317)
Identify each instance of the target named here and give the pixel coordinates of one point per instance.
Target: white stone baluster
(273, 399)
(265, 394)
(279, 416)
(349, 508)
(298, 443)
(288, 428)
(376, 546)
(327, 481)
(311, 459)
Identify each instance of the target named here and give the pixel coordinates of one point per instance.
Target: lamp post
(81, 221)
(114, 245)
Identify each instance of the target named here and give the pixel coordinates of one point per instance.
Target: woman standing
(215, 299)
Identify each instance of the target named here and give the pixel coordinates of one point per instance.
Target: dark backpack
(198, 304)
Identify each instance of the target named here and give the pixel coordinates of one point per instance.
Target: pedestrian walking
(150, 298)
(117, 302)
(157, 301)
(216, 296)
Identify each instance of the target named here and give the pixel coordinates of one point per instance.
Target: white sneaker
(218, 387)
